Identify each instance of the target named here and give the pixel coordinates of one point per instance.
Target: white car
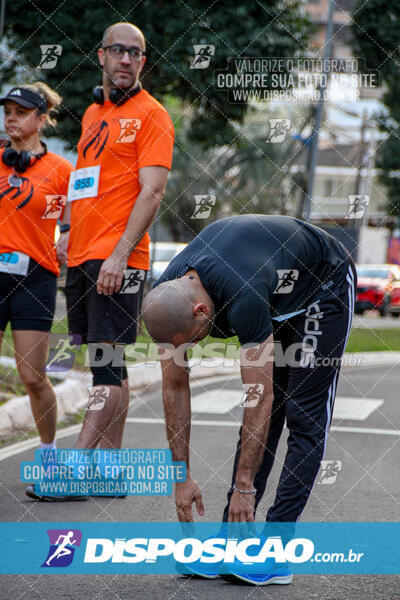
(161, 254)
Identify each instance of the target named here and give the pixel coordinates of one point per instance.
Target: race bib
(83, 183)
(16, 263)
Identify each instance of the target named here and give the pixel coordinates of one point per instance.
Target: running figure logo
(278, 130)
(62, 547)
(61, 354)
(203, 206)
(329, 471)
(132, 280)
(202, 56)
(251, 394)
(54, 206)
(98, 396)
(129, 129)
(287, 279)
(357, 205)
(50, 55)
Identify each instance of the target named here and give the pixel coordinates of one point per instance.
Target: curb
(72, 392)
(72, 395)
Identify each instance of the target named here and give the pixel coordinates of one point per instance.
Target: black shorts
(99, 318)
(28, 301)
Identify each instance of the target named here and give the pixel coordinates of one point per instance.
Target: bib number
(16, 263)
(84, 183)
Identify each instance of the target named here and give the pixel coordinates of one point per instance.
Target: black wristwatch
(65, 227)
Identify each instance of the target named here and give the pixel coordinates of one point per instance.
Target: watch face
(14, 180)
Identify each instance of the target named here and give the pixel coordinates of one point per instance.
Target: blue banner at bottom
(170, 548)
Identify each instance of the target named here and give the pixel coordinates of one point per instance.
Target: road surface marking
(355, 409)
(221, 402)
(20, 447)
(216, 402)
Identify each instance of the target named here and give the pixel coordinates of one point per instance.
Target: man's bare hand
(241, 508)
(185, 494)
(111, 275)
(62, 247)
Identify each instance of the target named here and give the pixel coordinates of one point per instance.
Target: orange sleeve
(156, 140)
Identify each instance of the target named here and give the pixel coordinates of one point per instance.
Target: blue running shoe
(257, 574)
(199, 570)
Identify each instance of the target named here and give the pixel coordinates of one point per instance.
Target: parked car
(161, 254)
(394, 307)
(375, 288)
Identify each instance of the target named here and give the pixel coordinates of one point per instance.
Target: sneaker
(32, 493)
(199, 570)
(113, 496)
(256, 574)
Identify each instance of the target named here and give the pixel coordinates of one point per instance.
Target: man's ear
(200, 308)
(100, 56)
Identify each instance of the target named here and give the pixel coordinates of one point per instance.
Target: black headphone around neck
(118, 96)
(21, 161)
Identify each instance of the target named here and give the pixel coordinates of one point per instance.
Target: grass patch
(373, 340)
(69, 420)
(361, 340)
(11, 385)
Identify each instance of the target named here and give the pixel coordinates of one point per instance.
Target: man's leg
(112, 437)
(96, 422)
(116, 317)
(323, 330)
(104, 407)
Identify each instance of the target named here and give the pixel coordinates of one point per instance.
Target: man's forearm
(254, 436)
(177, 419)
(140, 219)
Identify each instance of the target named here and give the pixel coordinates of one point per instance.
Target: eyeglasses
(118, 51)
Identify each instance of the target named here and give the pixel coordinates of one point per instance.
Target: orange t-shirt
(29, 212)
(121, 140)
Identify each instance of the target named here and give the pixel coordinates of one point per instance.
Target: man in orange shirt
(124, 154)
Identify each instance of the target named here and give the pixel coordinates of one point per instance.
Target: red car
(394, 308)
(375, 287)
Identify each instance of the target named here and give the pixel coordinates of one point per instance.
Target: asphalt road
(367, 489)
(372, 320)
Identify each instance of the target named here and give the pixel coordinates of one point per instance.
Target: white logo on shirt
(129, 129)
(54, 206)
(287, 279)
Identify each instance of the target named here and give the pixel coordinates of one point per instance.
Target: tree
(376, 30)
(273, 28)
(250, 176)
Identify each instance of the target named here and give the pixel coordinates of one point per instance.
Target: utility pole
(363, 154)
(313, 148)
(2, 17)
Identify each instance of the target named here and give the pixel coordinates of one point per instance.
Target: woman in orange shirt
(33, 191)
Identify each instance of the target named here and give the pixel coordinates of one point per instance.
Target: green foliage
(273, 28)
(249, 176)
(376, 30)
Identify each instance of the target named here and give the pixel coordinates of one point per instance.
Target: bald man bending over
(268, 280)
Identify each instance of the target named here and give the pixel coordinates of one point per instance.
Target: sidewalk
(72, 391)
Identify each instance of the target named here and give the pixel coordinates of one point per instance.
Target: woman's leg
(31, 350)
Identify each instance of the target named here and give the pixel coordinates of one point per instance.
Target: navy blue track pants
(304, 395)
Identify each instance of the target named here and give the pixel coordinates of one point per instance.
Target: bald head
(178, 311)
(114, 32)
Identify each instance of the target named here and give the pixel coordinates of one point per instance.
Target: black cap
(26, 98)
